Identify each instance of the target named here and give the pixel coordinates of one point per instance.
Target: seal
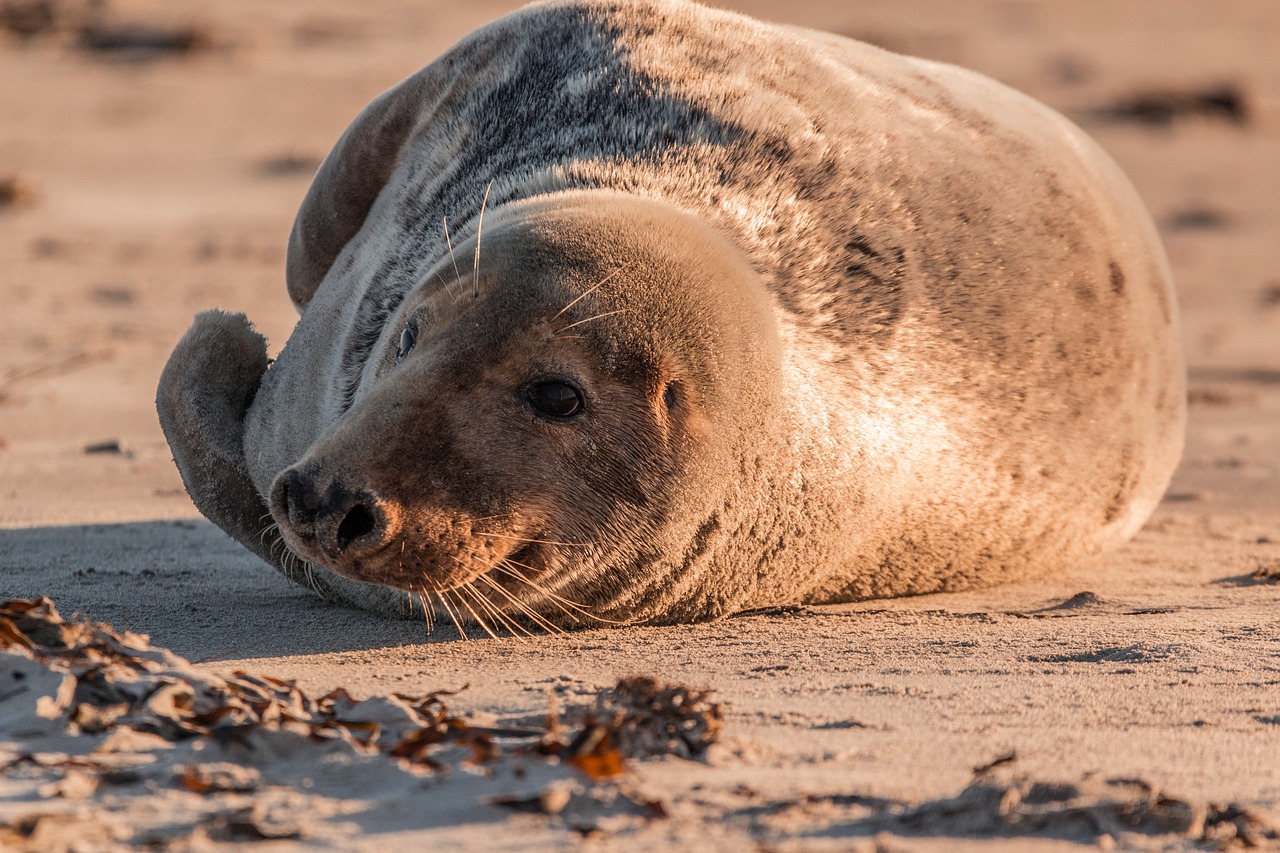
(641, 311)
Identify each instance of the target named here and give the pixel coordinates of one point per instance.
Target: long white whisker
(424, 598)
(533, 541)
(476, 596)
(507, 570)
(584, 294)
(440, 594)
(462, 601)
(513, 627)
(448, 242)
(516, 626)
(588, 320)
(475, 267)
(522, 607)
(490, 517)
(509, 565)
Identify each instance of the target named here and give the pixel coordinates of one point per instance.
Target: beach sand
(137, 188)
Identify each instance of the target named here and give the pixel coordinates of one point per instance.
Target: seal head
(590, 387)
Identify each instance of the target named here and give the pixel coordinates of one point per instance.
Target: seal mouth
(435, 567)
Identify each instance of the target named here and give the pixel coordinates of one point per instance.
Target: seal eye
(408, 338)
(555, 399)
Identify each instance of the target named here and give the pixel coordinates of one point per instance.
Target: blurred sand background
(138, 186)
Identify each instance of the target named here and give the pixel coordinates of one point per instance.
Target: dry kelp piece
(650, 718)
(28, 18)
(640, 717)
(218, 776)
(108, 679)
(88, 679)
(1269, 573)
(16, 192)
(1226, 102)
(142, 41)
(87, 712)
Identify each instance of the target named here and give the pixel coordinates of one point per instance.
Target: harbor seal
(634, 310)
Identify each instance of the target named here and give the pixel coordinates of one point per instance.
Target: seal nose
(295, 497)
(339, 521)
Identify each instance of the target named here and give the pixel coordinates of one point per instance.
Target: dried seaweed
(1162, 107)
(107, 680)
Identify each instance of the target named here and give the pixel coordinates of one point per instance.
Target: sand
(139, 187)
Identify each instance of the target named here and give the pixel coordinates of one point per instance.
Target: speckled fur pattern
(980, 373)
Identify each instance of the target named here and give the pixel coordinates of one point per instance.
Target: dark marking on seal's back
(1117, 279)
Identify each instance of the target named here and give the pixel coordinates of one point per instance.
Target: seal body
(643, 311)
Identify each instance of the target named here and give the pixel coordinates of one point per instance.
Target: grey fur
(980, 374)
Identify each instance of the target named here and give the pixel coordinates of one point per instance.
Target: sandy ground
(137, 190)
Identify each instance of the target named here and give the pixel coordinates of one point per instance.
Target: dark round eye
(408, 338)
(555, 399)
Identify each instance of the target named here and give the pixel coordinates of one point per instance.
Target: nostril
(280, 500)
(299, 498)
(358, 522)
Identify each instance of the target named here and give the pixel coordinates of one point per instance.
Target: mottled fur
(978, 372)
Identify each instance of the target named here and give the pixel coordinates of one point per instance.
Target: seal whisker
(557, 332)
(308, 571)
(508, 565)
(482, 600)
(440, 594)
(262, 535)
(584, 294)
(513, 627)
(522, 606)
(491, 517)
(513, 624)
(533, 541)
(500, 619)
(448, 242)
(475, 267)
(537, 588)
(461, 599)
(424, 599)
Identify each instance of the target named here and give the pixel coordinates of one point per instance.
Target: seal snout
(336, 520)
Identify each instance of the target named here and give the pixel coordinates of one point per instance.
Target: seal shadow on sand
(192, 589)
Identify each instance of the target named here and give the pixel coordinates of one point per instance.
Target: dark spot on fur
(1085, 288)
(1117, 279)
(702, 539)
(1125, 486)
(859, 245)
(776, 148)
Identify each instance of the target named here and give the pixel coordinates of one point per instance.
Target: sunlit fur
(918, 329)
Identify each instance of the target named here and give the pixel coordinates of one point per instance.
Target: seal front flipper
(205, 390)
